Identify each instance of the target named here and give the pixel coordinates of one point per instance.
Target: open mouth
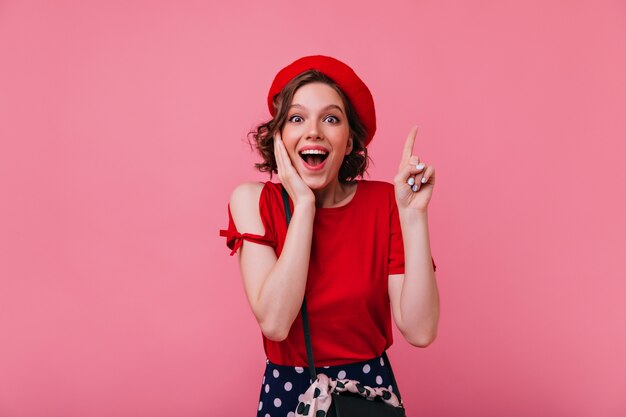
(313, 157)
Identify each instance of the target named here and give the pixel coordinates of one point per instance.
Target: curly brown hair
(354, 164)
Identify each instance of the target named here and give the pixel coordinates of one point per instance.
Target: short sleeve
(234, 239)
(396, 244)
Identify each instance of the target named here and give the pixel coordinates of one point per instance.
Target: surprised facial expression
(316, 134)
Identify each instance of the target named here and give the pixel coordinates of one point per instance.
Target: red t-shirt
(354, 249)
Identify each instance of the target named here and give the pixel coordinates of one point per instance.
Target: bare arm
(414, 295)
(274, 286)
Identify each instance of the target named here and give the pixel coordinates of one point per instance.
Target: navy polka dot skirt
(282, 385)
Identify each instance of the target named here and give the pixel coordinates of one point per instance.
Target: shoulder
(245, 193)
(376, 184)
(379, 194)
(244, 203)
(377, 188)
(249, 200)
(253, 190)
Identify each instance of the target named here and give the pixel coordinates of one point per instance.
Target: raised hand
(289, 177)
(414, 181)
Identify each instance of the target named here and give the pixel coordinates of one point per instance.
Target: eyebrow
(330, 106)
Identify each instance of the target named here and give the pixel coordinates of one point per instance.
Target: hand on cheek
(289, 177)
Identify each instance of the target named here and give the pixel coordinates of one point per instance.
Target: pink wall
(122, 127)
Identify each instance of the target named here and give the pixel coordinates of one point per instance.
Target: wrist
(410, 215)
(305, 207)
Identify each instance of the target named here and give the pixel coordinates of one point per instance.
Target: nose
(313, 130)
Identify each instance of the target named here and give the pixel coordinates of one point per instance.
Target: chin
(319, 180)
(316, 184)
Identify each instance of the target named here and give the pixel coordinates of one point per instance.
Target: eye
(295, 118)
(332, 119)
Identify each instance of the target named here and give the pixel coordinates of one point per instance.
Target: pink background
(123, 130)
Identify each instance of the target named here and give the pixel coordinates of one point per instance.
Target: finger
(414, 160)
(411, 168)
(285, 158)
(408, 145)
(278, 155)
(286, 167)
(417, 168)
(411, 176)
(425, 178)
(406, 172)
(428, 174)
(281, 149)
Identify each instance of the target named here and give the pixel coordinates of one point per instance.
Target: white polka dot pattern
(282, 385)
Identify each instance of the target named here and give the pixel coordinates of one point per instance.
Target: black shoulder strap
(286, 203)
(305, 322)
(305, 315)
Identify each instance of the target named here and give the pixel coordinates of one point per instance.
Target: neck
(333, 194)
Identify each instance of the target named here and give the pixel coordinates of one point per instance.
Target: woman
(358, 249)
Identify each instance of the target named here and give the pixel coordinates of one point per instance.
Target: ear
(349, 146)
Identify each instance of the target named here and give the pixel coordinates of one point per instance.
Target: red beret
(352, 86)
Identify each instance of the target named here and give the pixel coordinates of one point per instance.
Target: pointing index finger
(408, 145)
